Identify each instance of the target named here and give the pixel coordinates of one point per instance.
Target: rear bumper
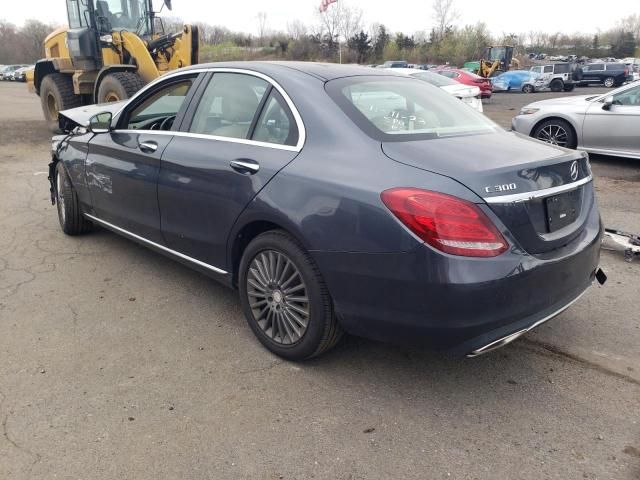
(453, 303)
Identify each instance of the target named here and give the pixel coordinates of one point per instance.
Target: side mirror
(168, 4)
(608, 102)
(100, 123)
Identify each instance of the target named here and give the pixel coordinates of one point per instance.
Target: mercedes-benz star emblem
(573, 170)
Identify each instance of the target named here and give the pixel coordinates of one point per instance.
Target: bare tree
(444, 14)
(262, 24)
(296, 29)
(341, 21)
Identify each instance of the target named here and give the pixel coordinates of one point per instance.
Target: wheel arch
(242, 235)
(554, 117)
(571, 123)
(104, 71)
(41, 70)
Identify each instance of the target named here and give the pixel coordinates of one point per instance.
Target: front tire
(285, 299)
(569, 88)
(119, 86)
(56, 95)
(70, 216)
(609, 82)
(556, 132)
(528, 88)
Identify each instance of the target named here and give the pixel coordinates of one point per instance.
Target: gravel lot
(117, 363)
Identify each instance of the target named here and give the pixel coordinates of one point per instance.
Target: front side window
(630, 97)
(401, 110)
(229, 105)
(548, 69)
(128, 15)
(158, 111)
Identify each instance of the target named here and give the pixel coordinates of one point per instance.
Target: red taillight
(447, 223)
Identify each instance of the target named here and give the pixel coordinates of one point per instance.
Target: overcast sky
(409, 16)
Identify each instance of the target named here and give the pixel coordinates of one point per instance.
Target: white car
(468, 94)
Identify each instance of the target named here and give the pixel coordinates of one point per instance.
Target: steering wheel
(167, 122)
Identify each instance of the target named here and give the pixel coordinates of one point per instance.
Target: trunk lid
(535, 189)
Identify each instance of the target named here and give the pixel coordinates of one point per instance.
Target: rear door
(616, 129)
(240, 132)
(122, 166)
(593, 73)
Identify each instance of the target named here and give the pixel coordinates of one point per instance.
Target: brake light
(447, 223)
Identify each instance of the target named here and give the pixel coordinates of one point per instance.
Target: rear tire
(119, 86)
(272, 293)
(528, 88)
(556, 85)
(56, 95)
(70, 216)
(609, 82)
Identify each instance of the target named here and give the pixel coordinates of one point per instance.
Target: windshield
(435, 79)
(397, 109)
(131, 15)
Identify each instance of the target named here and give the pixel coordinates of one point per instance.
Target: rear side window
(229, 105)
(276, 123)
(397, 109)
(616, 66)
(596, 67)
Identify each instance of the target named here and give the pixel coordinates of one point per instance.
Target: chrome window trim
(302, 133)
(547, 192)
(212, 137)
(111, 226)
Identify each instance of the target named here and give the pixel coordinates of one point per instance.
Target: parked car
(468, 78)
(559, 76)
(468, 94)
(337, 198)
(7, 72)
(608, 74)
(519, 80)
(607, 124)
(395, 64)
(20, 75)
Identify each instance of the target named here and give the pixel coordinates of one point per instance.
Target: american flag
(325, 4)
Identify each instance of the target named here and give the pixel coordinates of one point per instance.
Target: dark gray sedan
(337, 198)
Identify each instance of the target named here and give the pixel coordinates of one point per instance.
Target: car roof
(321, 71)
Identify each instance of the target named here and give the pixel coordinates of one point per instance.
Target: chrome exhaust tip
(501, 342)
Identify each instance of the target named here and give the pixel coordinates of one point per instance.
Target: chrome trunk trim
(547, 192)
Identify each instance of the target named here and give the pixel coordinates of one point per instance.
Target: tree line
(340, 34)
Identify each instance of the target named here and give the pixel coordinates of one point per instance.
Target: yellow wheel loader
(110, 49)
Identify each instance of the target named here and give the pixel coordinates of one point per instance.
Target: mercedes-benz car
(606, 124)
(337, 199)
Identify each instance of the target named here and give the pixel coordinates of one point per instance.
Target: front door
(616, 129)
(122, 166)
(240, 135)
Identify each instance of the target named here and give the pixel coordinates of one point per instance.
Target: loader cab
(92, 21)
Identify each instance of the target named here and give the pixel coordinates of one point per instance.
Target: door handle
(245, 166)
(148, 147)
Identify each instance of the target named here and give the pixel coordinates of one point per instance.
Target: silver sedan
(606, 124)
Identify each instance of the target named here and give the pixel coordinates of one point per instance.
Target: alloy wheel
(554, 134)
(60, 196)
(278, 297)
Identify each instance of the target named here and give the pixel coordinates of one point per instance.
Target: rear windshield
(403, 109)
(435, 79)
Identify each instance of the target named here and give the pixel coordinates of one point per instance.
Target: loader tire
(119, 86)
(56, 95)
